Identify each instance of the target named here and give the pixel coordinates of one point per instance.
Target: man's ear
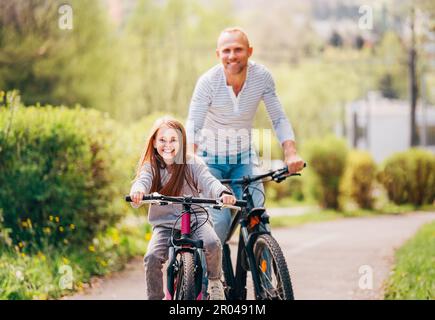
(250, 50)
(217, 53)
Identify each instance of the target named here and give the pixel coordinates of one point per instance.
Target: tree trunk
(413, 88)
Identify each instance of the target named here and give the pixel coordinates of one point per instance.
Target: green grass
(39, 276)
(413, 276)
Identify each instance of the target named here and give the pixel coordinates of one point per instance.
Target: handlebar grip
(145, 197)
(286, 168)
(241, 203)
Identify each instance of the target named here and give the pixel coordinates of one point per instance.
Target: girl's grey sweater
(208, 187)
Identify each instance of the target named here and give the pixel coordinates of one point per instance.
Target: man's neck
(236, 81)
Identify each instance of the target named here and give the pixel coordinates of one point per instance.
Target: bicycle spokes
(270, 281)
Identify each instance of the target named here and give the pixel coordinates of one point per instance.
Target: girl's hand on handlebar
(136, 197)
(228, 199)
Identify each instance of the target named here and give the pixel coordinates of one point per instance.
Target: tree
(51, 65)
(413, 86)
(336, 40)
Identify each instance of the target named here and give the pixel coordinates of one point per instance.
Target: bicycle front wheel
(275, 282)
(185, 279)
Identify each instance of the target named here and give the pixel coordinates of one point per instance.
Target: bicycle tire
(284, 290)
(185, 280)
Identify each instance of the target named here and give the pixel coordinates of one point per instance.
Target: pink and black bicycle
(185, 270)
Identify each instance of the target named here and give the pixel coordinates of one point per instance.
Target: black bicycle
(185, 271)
(258, 251)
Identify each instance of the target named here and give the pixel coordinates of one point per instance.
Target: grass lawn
(413, 276)
(54, 272)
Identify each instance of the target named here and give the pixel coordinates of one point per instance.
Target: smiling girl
(166, 168)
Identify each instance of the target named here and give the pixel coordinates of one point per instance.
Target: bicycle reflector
(263, 266)
(253, 221)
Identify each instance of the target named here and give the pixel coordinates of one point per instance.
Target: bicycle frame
(184, 244)
(237, 282)
(245, 252)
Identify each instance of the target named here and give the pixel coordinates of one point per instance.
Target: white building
(382, 126)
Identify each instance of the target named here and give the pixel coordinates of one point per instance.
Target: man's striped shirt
(221, 122)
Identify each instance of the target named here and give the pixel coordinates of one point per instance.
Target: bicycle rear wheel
(185, 278)
(275, 282)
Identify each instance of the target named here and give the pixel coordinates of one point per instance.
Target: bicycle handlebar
(187, 200)
(276, 175)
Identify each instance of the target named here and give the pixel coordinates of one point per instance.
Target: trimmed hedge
(57, 174)
(327, 159)
(409, 177)
(358, 178)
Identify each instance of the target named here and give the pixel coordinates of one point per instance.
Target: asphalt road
(342, 259)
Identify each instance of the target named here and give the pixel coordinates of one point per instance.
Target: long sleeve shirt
(208, 187)
(220, 123)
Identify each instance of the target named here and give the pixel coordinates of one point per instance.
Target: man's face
(233, 50)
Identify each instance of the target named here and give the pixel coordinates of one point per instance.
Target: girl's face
(167, 143)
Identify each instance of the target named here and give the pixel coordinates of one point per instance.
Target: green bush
(358, 178)
(409, 177)
(326, 158)
(289, 188)
(56, 174)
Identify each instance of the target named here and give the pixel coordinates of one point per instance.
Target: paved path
(326, 260)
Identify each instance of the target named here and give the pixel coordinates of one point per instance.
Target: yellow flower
(115, 236)
(65, 260)
(23, 254)
(61, 229)
(148, 236)
(72, 226)
(24, 224)
(65, 241)
(57, 219)
(41, 256)
(91, 248)
(103, 263)
(51, 218)
(21, 245)
(47, 230)
(29, 223)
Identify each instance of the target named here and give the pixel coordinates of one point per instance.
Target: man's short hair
(233, 30)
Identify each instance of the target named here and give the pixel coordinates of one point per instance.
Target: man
(222, 110)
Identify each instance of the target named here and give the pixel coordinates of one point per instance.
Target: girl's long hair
(180, 171)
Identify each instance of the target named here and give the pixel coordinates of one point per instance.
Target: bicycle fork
(237, 282)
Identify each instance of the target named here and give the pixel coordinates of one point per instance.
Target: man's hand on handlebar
(294, 163)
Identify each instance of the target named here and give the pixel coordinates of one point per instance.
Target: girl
(164, 167)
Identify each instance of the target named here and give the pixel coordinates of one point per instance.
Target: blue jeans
(226, 170)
